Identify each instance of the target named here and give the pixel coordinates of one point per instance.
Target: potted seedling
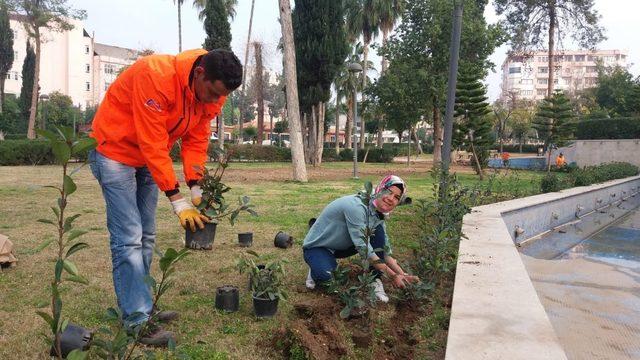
(266, 283)
(213, 204)
(69, 341)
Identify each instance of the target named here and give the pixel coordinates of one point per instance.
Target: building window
(86, 49)
(592, 69)
(106, 85)
(543, 81)
(8, 76)
(609, 58)
(543, 58)
(109, 69)
(543, 69)
(87, 68)
(590, 81)
(541, 92)
(526, 92)
(623, 57)
(87, 86)
(514, 70)
(15, 75)
(579, 57)
(592, 58)
(526, 81)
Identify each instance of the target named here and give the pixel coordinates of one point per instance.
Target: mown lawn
(202, 332)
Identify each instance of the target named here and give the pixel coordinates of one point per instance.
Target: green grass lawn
(202, 332)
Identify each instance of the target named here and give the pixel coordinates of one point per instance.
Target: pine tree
(216, 25)
(6, 49)
(321, 49)
(28, 73)
(553, 122)
(473, 129)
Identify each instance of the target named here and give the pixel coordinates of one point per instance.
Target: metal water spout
(519, 231)
(579, 208)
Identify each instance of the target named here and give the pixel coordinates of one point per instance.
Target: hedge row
(29, 152)
(588, 175)
(619, 128)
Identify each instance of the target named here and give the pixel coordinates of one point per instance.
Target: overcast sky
(153, 24)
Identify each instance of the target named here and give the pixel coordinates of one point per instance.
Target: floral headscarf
(387, 182)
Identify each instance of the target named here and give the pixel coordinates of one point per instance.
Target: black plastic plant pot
(227, 298)
(245, 239)
(265, 308)
(72, 338)
(283, 240)
(201, 239)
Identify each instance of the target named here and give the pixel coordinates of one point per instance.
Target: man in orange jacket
(156, 101)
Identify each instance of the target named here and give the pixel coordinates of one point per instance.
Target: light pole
(43, 99)
(355, 68)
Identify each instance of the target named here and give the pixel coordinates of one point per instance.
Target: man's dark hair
(223, 65)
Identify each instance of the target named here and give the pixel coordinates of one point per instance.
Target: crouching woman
(337, 233)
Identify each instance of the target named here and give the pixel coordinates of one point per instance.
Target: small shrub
(550, 183)
(26, 152)
(601, 173)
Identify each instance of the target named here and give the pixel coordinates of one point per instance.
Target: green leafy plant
(64, 144)
(550, 183)
(122, 343)
(266, 282)
(213, 203)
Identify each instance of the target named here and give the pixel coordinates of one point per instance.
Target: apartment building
(527, 76)
(70, 62)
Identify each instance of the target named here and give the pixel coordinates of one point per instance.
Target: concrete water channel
(590, 287)
(551, 276)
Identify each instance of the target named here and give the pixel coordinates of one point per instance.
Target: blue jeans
(131, 197)
(322, 261)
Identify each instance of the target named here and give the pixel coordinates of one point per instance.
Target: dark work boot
(165, 316)
(156, 336)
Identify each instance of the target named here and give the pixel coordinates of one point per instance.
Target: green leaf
(77, 279)
(76, 247)
(112, 314)
(253, 253)
(77, 169)
(44, 245)
(69, 186)
(64, 325)
(56, 211)
(83, 144)
(69, 221)
(345, 312)
(47, 134)
(58, 271)
(70, 267)
(151, 282)
(73, 234)
(168, 258)
(42, 304)
(61, 151)
(52, 187)
(46, 221)
(77, 355)
(46, 317)
(66, 132)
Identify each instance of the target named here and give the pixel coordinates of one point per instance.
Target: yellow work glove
(188, 215)
(196, 195)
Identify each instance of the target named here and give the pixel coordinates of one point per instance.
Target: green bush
(617, 128)
(601, 173)
(375, 155)
(249, 152)
(550, 183)
(26, 152)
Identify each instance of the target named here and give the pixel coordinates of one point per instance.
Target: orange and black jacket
(149, 107)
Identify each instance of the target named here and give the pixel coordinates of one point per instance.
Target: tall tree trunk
(244, 71)
(365, 58)
(2, 79)
(385, 66)
(293, 106)
(552, 30)
(477, 162)
(312, 135)
(260, 94)
(437, 135)
(414, 134)
(320, 133)
(349, 124)
(220, 131)
(408, 146)
(179, 25)
(337, 122)
(31, 132)
(270, 128)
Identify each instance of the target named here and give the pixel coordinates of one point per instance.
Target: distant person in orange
(505, 158)
(560, 161)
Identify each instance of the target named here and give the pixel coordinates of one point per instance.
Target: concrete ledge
(496, 313)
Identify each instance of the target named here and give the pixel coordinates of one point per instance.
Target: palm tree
(179, 2)
(363, 19)
(389, 12)
(229, 6)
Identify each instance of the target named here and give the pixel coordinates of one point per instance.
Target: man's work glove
(196, 195)
(188, 215)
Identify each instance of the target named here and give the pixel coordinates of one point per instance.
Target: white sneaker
(379, 290)
(310, 283)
